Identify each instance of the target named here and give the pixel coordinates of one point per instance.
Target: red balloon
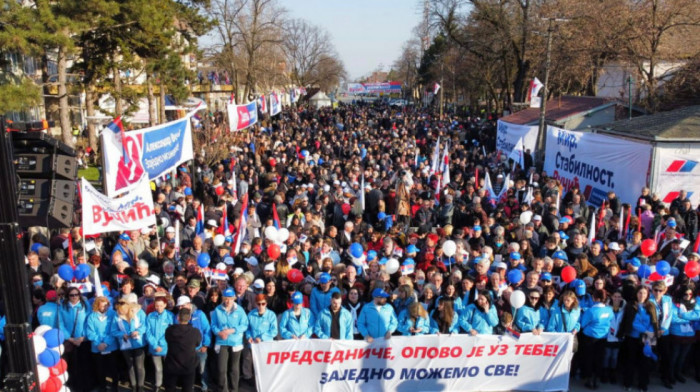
(219, 190)
(273, 162)
(273, 251)
(655, 276)
(295, 276)
(568, 274)
(53, 384)
(692, 269)
(648, 247)
(59, 368)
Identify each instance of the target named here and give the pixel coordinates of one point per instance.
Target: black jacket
(182, 349)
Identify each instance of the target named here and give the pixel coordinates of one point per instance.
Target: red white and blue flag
(275, 217)
(200, 220)
(242, 225)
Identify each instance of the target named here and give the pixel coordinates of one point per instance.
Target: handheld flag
(517, 154)
(592, 230)
(242, 225)
(535, 87)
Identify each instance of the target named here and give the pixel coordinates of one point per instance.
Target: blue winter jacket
(435, 328)
(682, 320)
(595, 321)
(377, 322)
(47, 314)
(98, 327)
(236, 319)
(664, 312)
(405, 324)
(71, 319)
(291, 326)
(570, 322)
(527, 319)
(156, 324)
(121, 327)
(546, 313)
(201, 322)
(263, 326)
(475, 318)
(641, 323)
(323, 324)
(320, 300)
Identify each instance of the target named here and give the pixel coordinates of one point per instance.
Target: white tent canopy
(319, 100)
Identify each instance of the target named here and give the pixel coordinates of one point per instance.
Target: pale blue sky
(366, 33)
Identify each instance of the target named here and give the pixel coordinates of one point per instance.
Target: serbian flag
(263, 104)
(436, 88)
(242, 224)
(118, 129)
(224, 222)
(275, 217)
(200, 220)
(535, 87)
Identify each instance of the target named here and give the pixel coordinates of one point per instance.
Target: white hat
(131, 298)
(499, 176)
(537, 218)
(269, 267)
(183, 300)
(344, 184)
(614, 246)
(259, 284)
(170, 229)
(238, 271)
(145, 230)
(221, 266)
(326, 188)
(154, 279)
(336, 182)
(212, 222)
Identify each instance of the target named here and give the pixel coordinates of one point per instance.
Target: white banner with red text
(597, 164)
(425, 363)
(131, 211)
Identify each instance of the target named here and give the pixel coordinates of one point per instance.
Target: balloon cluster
(51, 368)
(68, 273)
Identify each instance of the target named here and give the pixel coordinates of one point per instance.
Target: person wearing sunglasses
(262, 322)
(664, 307)
(527, 318)
(686, 312)
(71, 321)
(595, 325)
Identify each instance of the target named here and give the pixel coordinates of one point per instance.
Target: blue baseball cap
(515, 255)
(125, 237)
(228, 260)
(563, 235)
(188, 191)
(671, 223)
(379, 293)
(383, 261)
(579, 287)
(36, 246)
(546, 276)
(228, 238)
(324, 278)
(477, 228)
(228, 293)
(560, 254)
(297, 298)
(634, 262)
(411, 249)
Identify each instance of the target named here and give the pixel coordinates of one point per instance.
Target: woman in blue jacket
(639, 322)
(685, 311)
(297, 322)
(479, 317)
(527, 318)
(71, 321)
(414, 320)
(104, 345)
(565, 315)
(228, 323)
(129, 328)
(156, 324)
(443, 319)
(262, 322)
(595, 325)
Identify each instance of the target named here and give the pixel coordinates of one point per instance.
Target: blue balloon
(388, 223)
(188, 191)
(356, 250)
(663, 267)
(49, 358)
(371, 255)
(66, 272)
(381, 215)
(644, 271)
(54, 338)
(305, 153)
(515, 276)
(203, 260)
(320, 161)
(674, 271)
(383, 261)
(82, 271)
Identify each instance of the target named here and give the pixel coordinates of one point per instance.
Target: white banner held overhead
(597, 164)
(509, 134)
(426, 363)
(677, 169)
(131, 211)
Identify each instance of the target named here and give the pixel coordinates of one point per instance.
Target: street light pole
(542, 132)
(442, 87)
(629, 94)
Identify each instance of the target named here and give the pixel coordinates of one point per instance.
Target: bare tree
(310, 54)
(225, 13)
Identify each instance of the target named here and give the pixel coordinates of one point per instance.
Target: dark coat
(182, 349)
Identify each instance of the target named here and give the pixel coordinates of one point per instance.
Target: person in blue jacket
(71, 321)
(565, 316)
(321, 295)
(198, 320)
(129, 328)
(443, 319)
(156, 324)
(414, 320)
(527, 318)
(685, 311)
(228, 323)
(377, 319)
(479, 317)
(297, 322)
(47, 314)
(123, 247)
(595, 325)
(585, 300)
(664, 310)
(334, 322)
(639, 323)
(104, 345)
(262, 322)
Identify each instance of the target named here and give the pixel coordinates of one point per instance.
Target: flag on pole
(117, 127)
(436, 157)
(592, 230)
(558, 198)
(488, 186)
(529, 196)
(275, 217)
(446, 170)
(476, 178)
(199, 228)
(227, 230)
(627, 224)
(98, 284)
(517, 154)
(242, 225)
(362, 192)
(535, 87)
(263, 104)
(620, 227)
(436, 88)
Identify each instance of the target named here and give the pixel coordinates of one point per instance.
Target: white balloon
(392, 265)
(60, 349)
(219, 240)
(43, 373)
(526, 217)
(449, 248)
(64, 389)
(39, 345)
(41, 330)
(271, 233)
(282, 234)
(517, 299)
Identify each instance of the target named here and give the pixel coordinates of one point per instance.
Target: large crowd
(335, 223)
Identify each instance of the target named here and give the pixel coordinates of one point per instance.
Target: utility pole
(629, 94)
(442, 86)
